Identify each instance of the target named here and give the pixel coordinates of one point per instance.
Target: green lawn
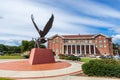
(6, 79)
(11, 57)
(86, 59)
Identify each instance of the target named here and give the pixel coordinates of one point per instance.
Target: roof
(79, 36)
(55, 36)
(102, 35)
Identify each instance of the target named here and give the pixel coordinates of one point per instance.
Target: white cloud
(116, 38)
(93, 8)
(16, 18)
(117, 29)
(89, 21)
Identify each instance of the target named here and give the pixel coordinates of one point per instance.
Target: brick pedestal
(41, 56)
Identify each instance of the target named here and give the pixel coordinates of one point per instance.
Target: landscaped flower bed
(102, 67)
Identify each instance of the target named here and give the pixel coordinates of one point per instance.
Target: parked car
(117, 57)
(106, 56)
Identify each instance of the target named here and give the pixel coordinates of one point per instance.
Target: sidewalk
(75, 67)
(73, 78)
(60, 74)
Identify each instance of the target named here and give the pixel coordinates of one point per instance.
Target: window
(56, 41)
(77, 41)
(82, 41)
(96, 41)
(86, 41)
(73, 41)
(99, 41)
(99, 36)
(105, 46)
(100, 46)
(90, 41)
(65, 41)
(104, 41)
(69, 41)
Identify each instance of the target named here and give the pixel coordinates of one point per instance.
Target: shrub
(26, 54)
(69, 57)
(110, 61)
(104, 67)
(62, 56)
(13, 54)
(72, 57)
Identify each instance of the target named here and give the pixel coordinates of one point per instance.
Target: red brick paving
(25, 66)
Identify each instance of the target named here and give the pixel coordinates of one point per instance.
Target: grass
(86, 59)
(6, 79)
(11, 57)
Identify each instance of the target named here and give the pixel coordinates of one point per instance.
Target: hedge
(102, 67)
(69, 57)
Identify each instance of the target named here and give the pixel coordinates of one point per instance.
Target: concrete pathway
(75, 67)
(73, 78)
(60, 74)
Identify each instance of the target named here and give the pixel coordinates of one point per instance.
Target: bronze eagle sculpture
(43, 32)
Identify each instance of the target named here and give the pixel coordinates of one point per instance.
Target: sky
(71, 17)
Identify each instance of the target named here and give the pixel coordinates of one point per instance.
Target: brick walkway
(25, 66)
(65, 69)
(57, 74)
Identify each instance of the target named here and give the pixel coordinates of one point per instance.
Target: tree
(42, 46)
(24, 45)
(28, 45)
(3, 48)
(9, 49)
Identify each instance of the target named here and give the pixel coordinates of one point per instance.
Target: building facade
(84, 45)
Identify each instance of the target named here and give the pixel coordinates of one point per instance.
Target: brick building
(84, 45)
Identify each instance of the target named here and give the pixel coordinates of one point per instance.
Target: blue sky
(71, 17)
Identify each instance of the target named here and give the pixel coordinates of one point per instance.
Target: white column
(66, 49)
(94, 50)
(76, 49)
(85, 49)
(71, 49)
(62, 49)
(80, 50)
(90, 49)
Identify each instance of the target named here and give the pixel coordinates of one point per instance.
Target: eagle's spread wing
(48, 26)
(39, 31)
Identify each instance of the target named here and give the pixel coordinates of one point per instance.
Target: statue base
(41, 56)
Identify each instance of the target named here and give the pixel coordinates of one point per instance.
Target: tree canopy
(9, 49)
